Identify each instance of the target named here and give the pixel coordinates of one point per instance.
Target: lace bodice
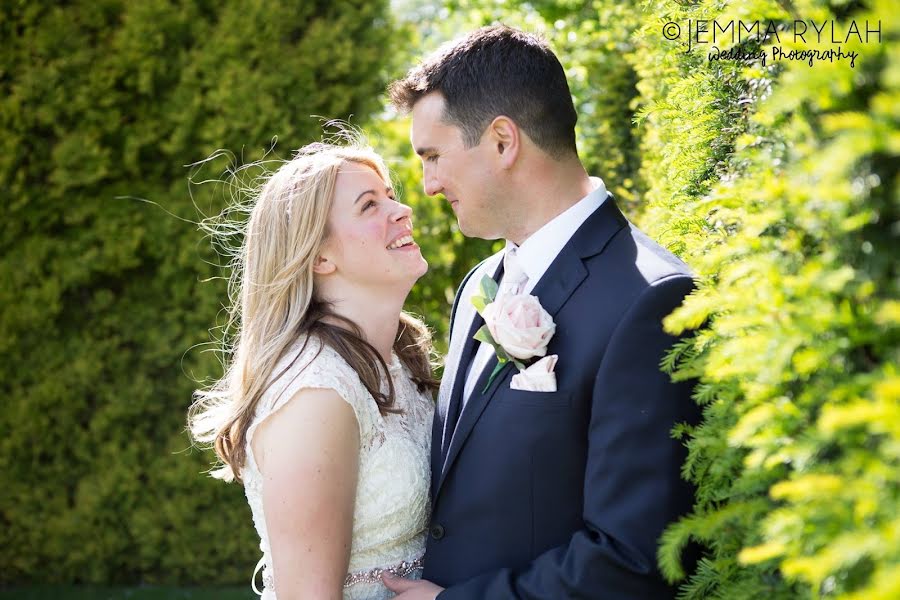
(391, 511)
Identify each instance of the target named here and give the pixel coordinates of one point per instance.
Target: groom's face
(465, 176)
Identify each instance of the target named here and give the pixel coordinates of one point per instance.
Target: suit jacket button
(437, 531)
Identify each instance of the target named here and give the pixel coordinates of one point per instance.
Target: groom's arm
(633, 487)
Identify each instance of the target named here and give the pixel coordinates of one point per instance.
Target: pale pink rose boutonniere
(519, 329)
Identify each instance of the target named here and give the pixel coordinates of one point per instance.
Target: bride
(325, 409)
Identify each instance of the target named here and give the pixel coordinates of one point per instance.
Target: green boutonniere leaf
(489, 289)
(484, 335)
(494, 373)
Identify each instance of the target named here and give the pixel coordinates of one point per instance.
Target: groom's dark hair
(495, 71)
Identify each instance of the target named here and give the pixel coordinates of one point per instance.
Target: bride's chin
(416, 265)
(423, 269)
(413, 276)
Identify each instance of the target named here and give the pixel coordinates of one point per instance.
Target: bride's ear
(504, 135)
(323, 266)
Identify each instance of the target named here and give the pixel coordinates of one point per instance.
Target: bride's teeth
(407, 239)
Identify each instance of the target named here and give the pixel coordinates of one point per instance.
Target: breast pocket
(555, 400)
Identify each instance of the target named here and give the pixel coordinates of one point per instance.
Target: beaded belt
(401, 569)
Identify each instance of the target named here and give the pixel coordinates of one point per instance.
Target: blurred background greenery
(142, 592)
(776, 182)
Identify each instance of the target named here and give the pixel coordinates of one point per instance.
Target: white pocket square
(539, 377)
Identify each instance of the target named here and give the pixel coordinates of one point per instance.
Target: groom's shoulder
(651, 260)
(614, 247)
(631, 265)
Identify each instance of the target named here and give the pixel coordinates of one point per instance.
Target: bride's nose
(402, 211)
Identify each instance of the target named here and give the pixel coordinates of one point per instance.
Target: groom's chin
(473, 230)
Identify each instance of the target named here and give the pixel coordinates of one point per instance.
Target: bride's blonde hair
(273, 301)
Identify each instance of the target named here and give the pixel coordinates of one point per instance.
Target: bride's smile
(370, 235)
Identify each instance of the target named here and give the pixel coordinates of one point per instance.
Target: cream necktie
(513, 282)
(514, 277)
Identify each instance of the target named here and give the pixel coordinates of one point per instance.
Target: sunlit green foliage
(779, 185)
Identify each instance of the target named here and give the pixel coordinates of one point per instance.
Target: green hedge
(101, 302)
(780, 185)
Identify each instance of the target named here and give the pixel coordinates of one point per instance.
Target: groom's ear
(505, 138)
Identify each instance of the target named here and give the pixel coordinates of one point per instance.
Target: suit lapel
(459, 383)
(474, 407)
(556, 286)
(465, 323)
(552, 290)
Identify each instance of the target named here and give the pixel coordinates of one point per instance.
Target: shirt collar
(541, 248)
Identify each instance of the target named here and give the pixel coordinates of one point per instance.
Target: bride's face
(370, 240)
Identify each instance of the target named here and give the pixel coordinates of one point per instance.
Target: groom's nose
(432, 185)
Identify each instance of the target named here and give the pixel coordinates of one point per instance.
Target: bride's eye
(369, 204)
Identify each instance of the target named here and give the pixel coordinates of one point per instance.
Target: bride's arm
(308, 453)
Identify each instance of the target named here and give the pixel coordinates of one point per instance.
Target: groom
(560, 493)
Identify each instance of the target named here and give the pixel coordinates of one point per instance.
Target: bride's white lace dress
(392, 510)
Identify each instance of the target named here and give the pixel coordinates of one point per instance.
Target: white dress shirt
(535, 256)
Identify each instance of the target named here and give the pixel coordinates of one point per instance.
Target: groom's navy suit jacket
(564, 494)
